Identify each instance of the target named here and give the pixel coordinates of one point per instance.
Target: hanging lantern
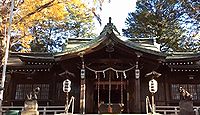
(67, 85)
(137, 73)
(153, 86)
(82, 73)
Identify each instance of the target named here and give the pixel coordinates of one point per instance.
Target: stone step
(97, 114)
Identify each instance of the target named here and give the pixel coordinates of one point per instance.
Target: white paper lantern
(153, 86)
(67, 85)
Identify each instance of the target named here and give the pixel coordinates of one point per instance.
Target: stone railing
(43, 110)
(174, 110)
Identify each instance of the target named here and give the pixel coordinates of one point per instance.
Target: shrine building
(106, 71)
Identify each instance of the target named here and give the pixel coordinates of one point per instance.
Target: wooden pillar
(131, 95)
(137, 86)
(127, 97)
(167, 90)
(8, 89)
(83, 87)
(89, 95)
(134, 90)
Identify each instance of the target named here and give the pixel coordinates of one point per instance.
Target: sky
(118, 10)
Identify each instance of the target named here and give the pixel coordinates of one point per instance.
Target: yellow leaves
(24, 50)
(79, 10)
(76, 2)
(32, 12)
(28, 38)
(56, 11)
(25, 43)
(20, 26)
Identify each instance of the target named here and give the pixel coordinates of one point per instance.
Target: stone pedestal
(186, 107)
(30, 108)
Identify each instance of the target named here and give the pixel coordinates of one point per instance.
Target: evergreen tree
(163, 19)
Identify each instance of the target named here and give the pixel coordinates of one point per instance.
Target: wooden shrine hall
(107, 74)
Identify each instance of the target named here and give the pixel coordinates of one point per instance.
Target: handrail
(148, 105)
(174, 110)
(45, 110)
(42, 109)
(71, 102)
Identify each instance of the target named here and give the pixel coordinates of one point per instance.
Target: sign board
(82, 73)
(137, 73)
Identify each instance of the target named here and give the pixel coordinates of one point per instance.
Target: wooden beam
(110, 61)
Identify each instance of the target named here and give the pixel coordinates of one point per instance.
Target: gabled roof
(109, 34)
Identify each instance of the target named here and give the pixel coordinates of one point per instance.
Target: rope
(110, 68)
(117, 74)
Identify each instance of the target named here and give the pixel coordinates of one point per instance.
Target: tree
(26, 14)
(96, 7)
(192, 8)
(31, 13)
(163, 19)
(50, 36)
(1, 56)
(191, 39)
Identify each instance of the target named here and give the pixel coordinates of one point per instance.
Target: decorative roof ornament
(110, 47)
(109, 28)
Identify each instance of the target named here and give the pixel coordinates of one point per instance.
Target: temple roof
(108, 35)
(183, 56)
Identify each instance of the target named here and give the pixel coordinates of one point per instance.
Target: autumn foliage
(28, 13)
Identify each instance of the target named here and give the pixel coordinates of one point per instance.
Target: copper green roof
(108, 35)
(183, 56)
(110, 32)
